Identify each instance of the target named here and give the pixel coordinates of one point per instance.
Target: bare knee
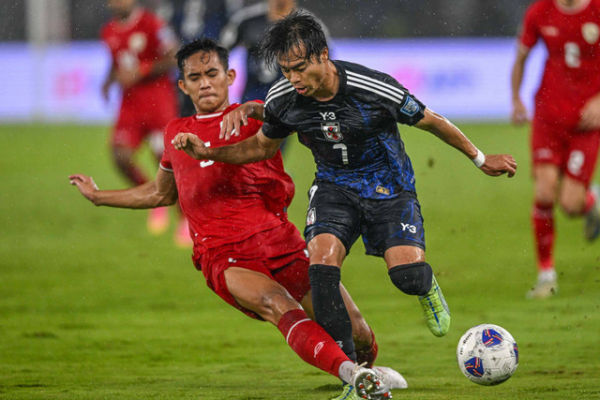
(572, 197)
(546, 184)
(272, 305)
(326, 249)
(572, 207)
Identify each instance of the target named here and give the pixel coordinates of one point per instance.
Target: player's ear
(181, 85)
(231, 74)
(324, 56)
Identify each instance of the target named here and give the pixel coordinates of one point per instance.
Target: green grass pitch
(93, 307)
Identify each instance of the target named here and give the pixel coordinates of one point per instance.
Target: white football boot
(392, 378)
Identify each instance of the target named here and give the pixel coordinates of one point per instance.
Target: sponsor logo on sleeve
(411, 107)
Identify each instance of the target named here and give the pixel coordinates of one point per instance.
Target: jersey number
(344, 149)
(572, 55)
(206, 163)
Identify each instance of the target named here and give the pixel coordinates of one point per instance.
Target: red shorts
(278, 253)
(574, 152)
(144, 111)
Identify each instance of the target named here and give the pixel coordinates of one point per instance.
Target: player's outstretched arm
(494, 164)
(519, 111)
(255, 148)
(158, 193)
(233, 120)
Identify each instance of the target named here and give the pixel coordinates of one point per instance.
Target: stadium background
(93, 307)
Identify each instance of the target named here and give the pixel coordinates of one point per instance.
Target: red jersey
(572, 71)
(225, 203)
(138, 42)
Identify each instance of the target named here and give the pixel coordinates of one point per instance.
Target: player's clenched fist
(191, 144)
(498, 164)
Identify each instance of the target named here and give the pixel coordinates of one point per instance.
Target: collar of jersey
(204, 116)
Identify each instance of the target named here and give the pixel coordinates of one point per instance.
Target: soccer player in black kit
(347, 115)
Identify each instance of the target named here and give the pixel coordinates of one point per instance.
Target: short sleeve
(273, 127)
(165, 163)
(529, 34)
(404, 107)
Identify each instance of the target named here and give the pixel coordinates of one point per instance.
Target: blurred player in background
(248, 251)
(566, 123)
(142, 50)
(348, 116)
(193, 19)
(247, 28)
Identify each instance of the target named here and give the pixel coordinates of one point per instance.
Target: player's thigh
(333, 219)
(390, 223)
(546, 178)
(258, 292)
(401, 255)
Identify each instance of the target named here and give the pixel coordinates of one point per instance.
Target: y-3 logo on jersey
(327, 116)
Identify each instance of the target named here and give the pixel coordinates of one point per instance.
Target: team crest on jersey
(411, 107)
(137, 42)
(590, 32)
(549, 30)
(331, 130)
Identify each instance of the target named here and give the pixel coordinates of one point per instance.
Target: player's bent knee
(272, 305)
(412, 279)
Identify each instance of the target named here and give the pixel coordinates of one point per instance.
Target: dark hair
(201, 45)
(298, 29)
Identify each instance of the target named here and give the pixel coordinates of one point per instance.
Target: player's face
(206, 82)
(121, 8)
(306, 76)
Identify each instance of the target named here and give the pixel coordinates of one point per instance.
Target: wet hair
(298, 29)
(204, 45)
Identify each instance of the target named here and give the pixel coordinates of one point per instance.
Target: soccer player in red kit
(566, 123)
(142, 49)
(250, 254)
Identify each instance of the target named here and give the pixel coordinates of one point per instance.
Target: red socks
(590, 200)
(543, 229)
(311, 342)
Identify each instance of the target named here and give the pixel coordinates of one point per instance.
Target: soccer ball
(487, 354)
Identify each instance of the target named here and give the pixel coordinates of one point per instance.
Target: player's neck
(571, 6)
(126, 17)
(331, 84)
(215, 110)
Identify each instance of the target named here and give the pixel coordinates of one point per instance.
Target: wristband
(479, 159)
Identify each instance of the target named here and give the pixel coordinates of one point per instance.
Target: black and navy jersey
(247, 28)
(354, 137)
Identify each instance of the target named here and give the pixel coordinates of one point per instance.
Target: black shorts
(382, 223)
